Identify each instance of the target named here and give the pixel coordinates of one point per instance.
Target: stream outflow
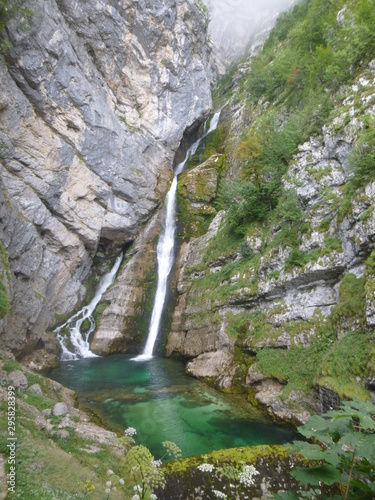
(165, 248)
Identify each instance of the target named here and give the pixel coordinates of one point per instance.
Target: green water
(163, 404)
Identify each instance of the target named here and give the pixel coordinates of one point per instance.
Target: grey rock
(94, 103)
(36, 389)
(18, 380)
(63, 434)
(60, 409)
(47, 412)
(209, 364)
(254, 376)
(329, 400)
(66, 422)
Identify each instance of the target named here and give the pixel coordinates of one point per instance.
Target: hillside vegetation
(289, 272)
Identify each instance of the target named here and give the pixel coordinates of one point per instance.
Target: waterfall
(80, 341)
(165, 248)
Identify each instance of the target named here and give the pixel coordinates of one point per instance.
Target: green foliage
(146, 474)
(289, 208)
(316, 53)
(298, 365)
(11, 9)
(4, 301)
(172, 451)
(346, 363)
(362, 159)
(205, 11)
(252, 198)
(245, 203)
(343, 448)
(352, 300)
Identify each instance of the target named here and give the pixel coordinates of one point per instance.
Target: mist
(235, 23)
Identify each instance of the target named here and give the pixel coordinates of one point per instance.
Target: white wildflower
(206, 467)
(136, 497)
(137, 488)
(122, 482)
(157, 463)
(110, 472)
(130, 431)
(219, 494)
(107, 491)
(108, 484)
(153, 497)
(246, 475)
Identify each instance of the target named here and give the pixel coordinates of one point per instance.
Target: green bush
(245, 203)
(4, 301)
(352, 300)
(11, 8)
(340, 450)
(362, 159)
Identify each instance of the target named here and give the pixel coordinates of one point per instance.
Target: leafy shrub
(4, 301)
(244, 203)
(343, 450)
(352, 299)
(362, 159)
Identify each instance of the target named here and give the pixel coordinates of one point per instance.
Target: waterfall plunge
(165, 248)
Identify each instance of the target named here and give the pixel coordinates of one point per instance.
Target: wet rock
(118, 327)
(254, 376)
(199, 184)
(329, 400)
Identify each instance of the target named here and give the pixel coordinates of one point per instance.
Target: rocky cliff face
(275, 293)
(95, 98)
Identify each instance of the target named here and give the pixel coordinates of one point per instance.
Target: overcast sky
(235, 22)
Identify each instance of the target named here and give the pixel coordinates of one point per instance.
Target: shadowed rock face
(95, 97)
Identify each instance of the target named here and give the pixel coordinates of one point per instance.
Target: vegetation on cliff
(297, 194)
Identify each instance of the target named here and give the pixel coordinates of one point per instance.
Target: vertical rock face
(94, 99)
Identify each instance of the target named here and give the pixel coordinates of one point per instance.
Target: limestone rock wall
(268, 301)
(94, 99)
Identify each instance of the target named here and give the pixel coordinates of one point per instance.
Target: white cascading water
(80, 341)
(165, 248)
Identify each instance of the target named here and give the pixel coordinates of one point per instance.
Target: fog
(234, 23)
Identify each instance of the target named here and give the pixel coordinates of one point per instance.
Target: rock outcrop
(264, 297)
(95, 98)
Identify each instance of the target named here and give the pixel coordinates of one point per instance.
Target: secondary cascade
(165, 248)
(77, 340)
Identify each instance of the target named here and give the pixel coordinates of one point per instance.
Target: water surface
(164, 404)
